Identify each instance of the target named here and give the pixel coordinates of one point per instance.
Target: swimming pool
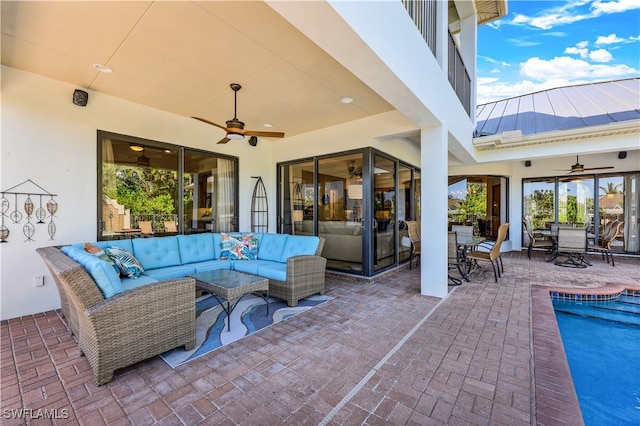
(602, 344)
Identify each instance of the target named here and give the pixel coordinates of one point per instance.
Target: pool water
(602, 344)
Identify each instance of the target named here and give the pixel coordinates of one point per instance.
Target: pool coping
(556, 401)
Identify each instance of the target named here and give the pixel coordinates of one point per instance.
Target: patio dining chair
(604, 247)
(572, 247)
(414, 236)
(536, 240)
(492, 256)
(454, 259)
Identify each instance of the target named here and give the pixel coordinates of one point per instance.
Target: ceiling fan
(579, 168)
(235, 128)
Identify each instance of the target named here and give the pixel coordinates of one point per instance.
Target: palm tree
(611, 188)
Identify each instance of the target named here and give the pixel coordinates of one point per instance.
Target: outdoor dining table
(467, 243)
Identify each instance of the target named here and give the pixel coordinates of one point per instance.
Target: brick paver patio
(377, 353)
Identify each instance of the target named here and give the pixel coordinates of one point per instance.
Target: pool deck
(377, 353)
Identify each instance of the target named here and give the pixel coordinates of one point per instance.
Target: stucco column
(433, 212)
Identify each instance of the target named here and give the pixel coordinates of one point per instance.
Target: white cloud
(600, 7)
(600, 55)
(577, 51)
(570, 13)
(522, 43)
(566, 68)
(490, 89)
(610, 39)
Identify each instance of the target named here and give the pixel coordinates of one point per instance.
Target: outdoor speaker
(622, 155)
(253, 141)
(527, 163)
(80, 97)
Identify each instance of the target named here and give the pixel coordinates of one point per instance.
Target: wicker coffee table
(226, 286)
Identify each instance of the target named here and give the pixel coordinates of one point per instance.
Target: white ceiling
(181, 57)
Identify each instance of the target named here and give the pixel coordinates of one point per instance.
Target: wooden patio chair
(145, 227)
(170, 226)
(492, 256)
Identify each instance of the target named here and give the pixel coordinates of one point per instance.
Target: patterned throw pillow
(126, 262)
(97, 251)
(243, 248)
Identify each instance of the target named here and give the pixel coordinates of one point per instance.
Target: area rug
(249, 316)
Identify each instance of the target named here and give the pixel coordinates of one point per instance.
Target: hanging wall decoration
(259, 207)
(28, 188)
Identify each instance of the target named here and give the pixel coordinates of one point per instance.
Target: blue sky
(544, 44)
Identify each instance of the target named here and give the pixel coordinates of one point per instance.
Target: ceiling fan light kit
(234, 127)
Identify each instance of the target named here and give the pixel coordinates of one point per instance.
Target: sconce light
(527, 163)
(253, 140)
(622, 155)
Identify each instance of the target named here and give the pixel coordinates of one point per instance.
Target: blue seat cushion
(273, 270)
(102, 272)
(210, 265)
(195, 247)
(249, 266)
(157, 252)
(130, 283)
(299, 245)
(170, 272)
(272, 247)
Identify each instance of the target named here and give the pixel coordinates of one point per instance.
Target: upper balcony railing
(424, 15)
(458, 75)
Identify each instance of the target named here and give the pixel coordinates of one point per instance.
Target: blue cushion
(170, 272)
(102, 272)
(274, 271)
(211, 265)
(299, 245)
(250, 267)
(195, 247)
(129, 283)
(272, 247)
(217, 244)
(157, 252)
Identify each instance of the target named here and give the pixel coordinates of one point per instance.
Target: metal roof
(562, 108)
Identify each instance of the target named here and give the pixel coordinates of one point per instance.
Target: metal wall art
(15, 216)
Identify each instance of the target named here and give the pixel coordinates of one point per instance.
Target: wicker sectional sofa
(120, 321)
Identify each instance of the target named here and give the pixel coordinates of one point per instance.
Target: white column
(433, 212)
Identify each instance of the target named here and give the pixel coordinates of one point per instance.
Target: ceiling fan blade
(212, 123)
(264, 134)
(224, 140)
(599, 168)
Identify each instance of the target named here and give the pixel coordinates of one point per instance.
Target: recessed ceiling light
(102, 68)
(346, 100)
(268, 125)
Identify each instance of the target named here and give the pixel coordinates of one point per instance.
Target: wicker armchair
(127, 328)
(305, 276)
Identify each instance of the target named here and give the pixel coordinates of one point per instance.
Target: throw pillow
(244, 248)
(97, 251)
(227, 244)
(126, 262)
